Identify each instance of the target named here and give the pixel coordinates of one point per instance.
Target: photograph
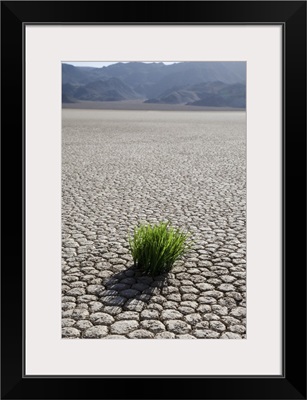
(159, 186)
(153, 200)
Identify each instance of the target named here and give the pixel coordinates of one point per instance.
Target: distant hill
(216, 84)
(212, 94)
(112, 89)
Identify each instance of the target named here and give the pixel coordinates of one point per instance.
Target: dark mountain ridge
(212, 94)
(112, 89)
(205, 83)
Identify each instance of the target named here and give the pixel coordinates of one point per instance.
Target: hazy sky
(96, 64)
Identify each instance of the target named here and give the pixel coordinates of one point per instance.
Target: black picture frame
(292, 16)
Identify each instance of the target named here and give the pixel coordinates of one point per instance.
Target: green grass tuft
(155, 248)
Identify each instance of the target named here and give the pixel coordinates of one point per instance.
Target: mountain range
(213, 84)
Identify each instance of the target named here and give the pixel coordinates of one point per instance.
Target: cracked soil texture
(120, 168)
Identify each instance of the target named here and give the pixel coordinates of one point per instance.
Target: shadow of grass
(132, 289)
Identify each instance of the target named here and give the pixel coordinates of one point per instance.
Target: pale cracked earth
(123, 167)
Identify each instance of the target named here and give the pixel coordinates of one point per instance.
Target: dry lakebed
(122, 167)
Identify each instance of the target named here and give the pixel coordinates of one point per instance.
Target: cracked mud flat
(123, 167)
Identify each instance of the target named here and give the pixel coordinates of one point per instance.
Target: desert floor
(123, 167)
